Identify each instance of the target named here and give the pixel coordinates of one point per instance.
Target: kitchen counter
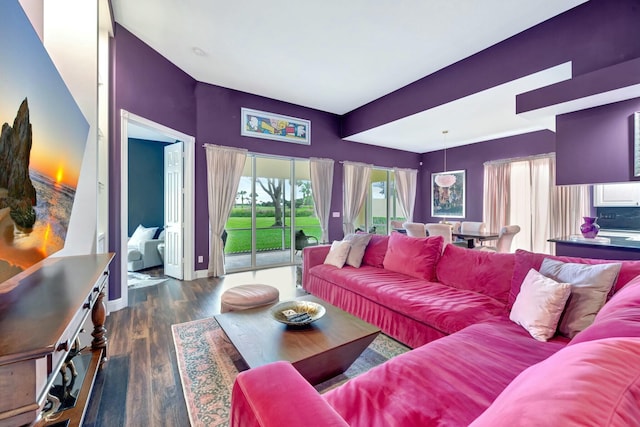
(620, 246)
(602, 240)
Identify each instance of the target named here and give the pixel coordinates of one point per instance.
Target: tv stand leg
(98, 317)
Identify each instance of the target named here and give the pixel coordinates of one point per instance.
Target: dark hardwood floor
(139, 385)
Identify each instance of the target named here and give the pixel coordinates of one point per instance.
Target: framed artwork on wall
(260, 124)
(448, 194)
(636, 144)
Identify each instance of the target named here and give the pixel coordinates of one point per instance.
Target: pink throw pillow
(413, 256)
(526, 260)
(375, 251)
(488, 273)
(596, 383)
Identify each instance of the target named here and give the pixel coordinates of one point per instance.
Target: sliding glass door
(273, 201)
(381, 205)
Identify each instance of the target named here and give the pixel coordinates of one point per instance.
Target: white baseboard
(116, 304)
(201, 274)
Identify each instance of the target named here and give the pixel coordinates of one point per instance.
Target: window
(522, 192)
(381, 205)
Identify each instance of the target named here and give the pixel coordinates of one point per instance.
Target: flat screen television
(42, 144)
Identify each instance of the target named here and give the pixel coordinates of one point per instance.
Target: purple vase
(589, 229)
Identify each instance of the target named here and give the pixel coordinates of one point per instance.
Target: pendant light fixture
(445, 180)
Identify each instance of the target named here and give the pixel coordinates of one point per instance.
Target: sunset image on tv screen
(42, 143)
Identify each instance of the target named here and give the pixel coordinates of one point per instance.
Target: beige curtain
(541, 208)
(321, 172)
(406, 182)
(224, 169)
(497, 189)
(542, 187)
(357, 178)
(569, 204)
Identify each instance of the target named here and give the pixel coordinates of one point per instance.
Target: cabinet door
(627, 194)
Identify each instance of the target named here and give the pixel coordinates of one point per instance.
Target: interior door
(173, 201)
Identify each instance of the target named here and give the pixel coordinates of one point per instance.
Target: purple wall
(146, 84)
(596, 145)
(619, 76)
(594, 35)
(218, 122)
(471, 158)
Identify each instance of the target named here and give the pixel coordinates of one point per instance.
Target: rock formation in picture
(15, 151)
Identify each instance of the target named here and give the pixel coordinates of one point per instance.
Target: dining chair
(472, 227)
(443, 230)
(415, 229)
(396, 224)
(505, 237)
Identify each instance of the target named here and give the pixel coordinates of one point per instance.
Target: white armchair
(142, 249)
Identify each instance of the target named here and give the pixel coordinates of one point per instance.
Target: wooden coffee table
(320, 351)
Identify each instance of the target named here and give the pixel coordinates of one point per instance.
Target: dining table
(472, 236)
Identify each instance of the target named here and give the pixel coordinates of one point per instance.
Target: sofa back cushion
(526, 260)
(596, 383)
(376, 250)
(485, 272)
(620, 317)
(413, 256)
(590, 286)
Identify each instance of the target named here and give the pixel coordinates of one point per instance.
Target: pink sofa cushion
(620, 317)
(414, 256)
(480, 271)
(375, 251)
(444, 308)
(447, 382)
(526, 260)
(595, 383)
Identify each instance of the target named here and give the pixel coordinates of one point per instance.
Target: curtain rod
(519, 159)
(384, 168)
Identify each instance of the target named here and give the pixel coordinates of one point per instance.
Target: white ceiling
(338, 55)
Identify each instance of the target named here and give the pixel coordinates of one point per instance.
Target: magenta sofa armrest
(312, 256)
(276, 395)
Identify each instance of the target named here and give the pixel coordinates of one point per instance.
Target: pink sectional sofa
(426, 295)
(471, 364)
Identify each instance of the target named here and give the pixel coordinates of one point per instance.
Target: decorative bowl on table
(297, 313)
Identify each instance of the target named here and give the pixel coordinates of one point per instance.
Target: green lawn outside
(267, 237)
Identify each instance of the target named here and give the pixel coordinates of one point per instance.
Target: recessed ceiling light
(199, 51)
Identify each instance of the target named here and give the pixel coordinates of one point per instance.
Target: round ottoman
(244, 297)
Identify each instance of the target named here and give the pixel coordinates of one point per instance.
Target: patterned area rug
(208, 364)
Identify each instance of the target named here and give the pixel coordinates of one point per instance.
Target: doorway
(130, 123)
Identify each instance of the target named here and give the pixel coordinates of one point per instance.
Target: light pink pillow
(338, 253)
(539, 305)
(486, 272)
(596, 383)
(376, 250)
(413, 256)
